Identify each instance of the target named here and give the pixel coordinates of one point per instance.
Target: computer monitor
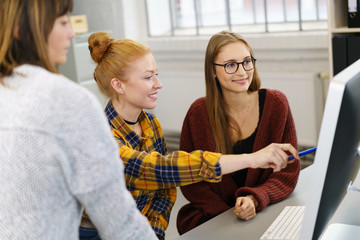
(336, 161)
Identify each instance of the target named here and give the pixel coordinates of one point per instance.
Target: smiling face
(59, 40)
(141, 87)
(240, 80)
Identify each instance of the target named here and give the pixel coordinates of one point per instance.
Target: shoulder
(154, 121)
(59, 98)
(150, 116)
(70, 94)
(52, 84)
(276, 105)
(276, 95)
(198, 106)
(158, 140)
(276, 98)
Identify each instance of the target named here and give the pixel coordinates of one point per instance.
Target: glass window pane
(315, 18)
(283, 15)
(206, 17)
(212, 13)
(184, 17)
(247, 16)
(185, 13)
(275, 11)
(159, 17)
(323, 10)
(242, 12)
(259, 11)
(308, 10)
(292, 10)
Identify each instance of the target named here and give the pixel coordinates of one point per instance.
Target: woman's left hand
(245, 207)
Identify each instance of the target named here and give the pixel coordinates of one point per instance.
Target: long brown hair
(219, 120)
(112, 58)
(24, 29)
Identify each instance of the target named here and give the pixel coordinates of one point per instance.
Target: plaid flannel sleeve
(154, 171)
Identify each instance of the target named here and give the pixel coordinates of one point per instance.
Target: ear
(118, 85)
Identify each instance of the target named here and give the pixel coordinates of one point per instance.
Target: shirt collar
(117, 122)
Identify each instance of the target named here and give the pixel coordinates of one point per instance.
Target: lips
(153, 96)
(241, 81)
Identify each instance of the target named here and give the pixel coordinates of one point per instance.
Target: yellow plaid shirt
(151, 174)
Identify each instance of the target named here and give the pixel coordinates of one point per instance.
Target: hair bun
(98, 44)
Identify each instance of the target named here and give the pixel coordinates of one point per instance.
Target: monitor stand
(338, 231)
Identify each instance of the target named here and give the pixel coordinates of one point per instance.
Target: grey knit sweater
(57, 154)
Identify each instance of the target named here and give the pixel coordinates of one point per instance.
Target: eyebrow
(234, 60)
(151, 71)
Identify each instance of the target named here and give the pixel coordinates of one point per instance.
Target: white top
(56, 154)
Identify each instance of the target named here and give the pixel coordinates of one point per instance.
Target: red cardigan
(207, 200)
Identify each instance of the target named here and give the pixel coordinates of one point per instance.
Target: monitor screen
(336, 161)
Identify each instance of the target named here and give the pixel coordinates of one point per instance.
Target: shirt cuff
(210, 168)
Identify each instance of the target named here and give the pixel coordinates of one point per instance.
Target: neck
(128, 112)
(238, 102)
(131, 123)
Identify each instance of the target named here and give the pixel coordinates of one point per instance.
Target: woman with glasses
(126, 72)
(236, 117)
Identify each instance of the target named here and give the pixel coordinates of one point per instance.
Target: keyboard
(287, 224)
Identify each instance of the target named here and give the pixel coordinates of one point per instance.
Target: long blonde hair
(24, 29)
(219, 120)
(112, 58)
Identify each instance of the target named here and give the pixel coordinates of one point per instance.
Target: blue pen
(304, 153)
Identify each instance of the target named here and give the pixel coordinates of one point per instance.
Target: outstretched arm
(154, 171)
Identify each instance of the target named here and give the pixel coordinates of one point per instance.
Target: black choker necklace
(131, 123)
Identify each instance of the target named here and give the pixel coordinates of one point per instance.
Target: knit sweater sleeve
(276, 126)
(92, 167)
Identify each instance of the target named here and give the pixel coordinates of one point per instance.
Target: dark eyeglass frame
(238, 63)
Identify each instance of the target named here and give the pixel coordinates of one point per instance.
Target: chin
(152, 106)
(60, 62)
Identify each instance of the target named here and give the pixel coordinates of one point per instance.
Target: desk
(227, 226)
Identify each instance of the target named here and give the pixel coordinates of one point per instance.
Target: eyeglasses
(232, 67)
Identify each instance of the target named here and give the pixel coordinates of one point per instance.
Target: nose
(71, 33)
(158, 84)
(240, 70)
